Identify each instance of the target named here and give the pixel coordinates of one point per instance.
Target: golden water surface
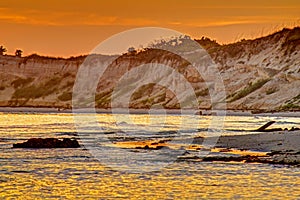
(76, 174)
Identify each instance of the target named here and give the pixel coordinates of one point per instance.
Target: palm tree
(2, 50)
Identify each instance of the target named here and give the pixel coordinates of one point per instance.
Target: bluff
(259, 74)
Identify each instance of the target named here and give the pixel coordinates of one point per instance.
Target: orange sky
(73, 27)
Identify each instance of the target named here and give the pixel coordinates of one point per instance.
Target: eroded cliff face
(36, 80)
(260, 74)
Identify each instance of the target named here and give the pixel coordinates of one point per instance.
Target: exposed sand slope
(258, 74)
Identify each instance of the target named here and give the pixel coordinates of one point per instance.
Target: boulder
(48, 143)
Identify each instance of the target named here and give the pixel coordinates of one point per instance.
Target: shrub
(203, 92)
(53, 82)
(247, 90)
(103, 95)
(297, 97)
(66, 96)
(271, 91)
(145, 89)
(29, 92)
(290, 106)
(103, 99)
(33, 91)
(69, 84)
(21, 82)
(294, 37)
(2, 87)
(67, 74)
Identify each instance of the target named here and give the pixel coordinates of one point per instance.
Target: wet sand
(281, 147)
(146, 111)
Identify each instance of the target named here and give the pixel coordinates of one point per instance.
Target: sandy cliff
(258, 74)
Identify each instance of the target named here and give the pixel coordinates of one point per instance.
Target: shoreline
(199, 112)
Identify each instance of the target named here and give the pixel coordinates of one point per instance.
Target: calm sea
(110, 166)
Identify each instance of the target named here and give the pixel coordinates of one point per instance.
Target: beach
(145, 111)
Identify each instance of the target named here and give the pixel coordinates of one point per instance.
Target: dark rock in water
(48, 143)
(151, 147)
(269, 159)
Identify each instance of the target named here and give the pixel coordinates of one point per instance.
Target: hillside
(260, 74)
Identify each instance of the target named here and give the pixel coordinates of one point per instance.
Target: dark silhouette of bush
(2, 50)
(18, 53)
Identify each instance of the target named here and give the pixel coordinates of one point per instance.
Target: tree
(18, 53)
(2, 50)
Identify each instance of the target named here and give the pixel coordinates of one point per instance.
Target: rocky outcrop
(48, 143)
(286, 159)
(274, 157)
(281, 147)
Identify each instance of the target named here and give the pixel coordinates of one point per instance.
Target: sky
(71, 27)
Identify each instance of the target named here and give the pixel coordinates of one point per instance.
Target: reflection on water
(75, 173)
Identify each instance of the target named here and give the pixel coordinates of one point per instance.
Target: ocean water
(111, 165)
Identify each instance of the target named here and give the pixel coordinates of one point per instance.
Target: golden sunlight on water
(73, 180)
(76, 174)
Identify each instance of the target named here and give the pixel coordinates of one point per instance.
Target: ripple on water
(75, 173)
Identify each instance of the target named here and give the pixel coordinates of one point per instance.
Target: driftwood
(265, 126)
(262, 128)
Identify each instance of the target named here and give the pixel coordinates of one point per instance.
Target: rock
(151, 147)
(48, 143)
(284, 159)
(290, 159)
